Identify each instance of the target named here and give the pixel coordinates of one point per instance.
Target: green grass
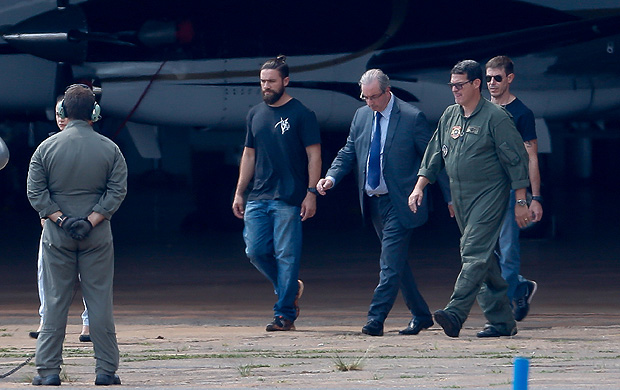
(246, 369)
(354, 365)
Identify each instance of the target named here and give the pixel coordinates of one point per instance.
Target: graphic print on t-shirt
(284, 125)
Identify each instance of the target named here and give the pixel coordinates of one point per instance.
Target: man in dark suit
(386, 143)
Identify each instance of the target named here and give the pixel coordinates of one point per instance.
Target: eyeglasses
(497, 78)
(459, 86)
(371, 98)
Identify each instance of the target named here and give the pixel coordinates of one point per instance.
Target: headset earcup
(60, 109)
(96, 115)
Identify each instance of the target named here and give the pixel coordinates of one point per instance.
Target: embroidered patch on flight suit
(473, 129)
(444, 150)
(456, 132)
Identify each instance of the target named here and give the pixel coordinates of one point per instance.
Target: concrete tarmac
(190, 309)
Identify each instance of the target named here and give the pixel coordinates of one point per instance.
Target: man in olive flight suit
(484, 157)
(77, 179)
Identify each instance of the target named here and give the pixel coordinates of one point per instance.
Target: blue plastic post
(522, 366)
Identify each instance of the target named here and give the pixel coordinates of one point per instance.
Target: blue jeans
(272, 237)
(510, 252)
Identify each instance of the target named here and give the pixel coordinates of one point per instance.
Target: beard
(273, 97)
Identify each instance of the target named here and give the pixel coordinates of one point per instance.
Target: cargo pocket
(509, 155)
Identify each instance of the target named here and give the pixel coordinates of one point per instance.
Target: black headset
(62, 112)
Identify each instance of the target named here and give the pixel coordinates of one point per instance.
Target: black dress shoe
(373, 328)
(85, 338)
(448, 321)
(49, 380)
(415, 327)
(491, 331)
(106, 380)
(34, 335)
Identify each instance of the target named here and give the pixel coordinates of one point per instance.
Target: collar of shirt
(388, 109)
(382, 188)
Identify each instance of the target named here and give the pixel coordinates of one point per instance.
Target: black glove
(78, 228)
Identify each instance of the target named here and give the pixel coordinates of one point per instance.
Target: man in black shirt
(499, 76)
(283, 155)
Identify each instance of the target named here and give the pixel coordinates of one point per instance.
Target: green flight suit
(77, 171)
(484, 157)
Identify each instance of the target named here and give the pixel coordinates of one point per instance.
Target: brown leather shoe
(280, 323)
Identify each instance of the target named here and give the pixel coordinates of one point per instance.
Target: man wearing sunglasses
(478, 144)
(499, 76)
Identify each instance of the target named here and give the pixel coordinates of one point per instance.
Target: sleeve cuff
(520, 184)
(100, 210)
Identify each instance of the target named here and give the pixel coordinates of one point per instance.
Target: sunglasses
(459, 86)
(497, 78)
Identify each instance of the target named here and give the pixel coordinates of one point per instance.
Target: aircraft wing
(409, 58)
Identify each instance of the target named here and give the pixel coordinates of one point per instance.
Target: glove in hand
(78, 228)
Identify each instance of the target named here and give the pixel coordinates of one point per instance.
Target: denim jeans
(510, 252)
(272, 237)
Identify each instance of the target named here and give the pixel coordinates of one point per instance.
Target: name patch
(473, 129)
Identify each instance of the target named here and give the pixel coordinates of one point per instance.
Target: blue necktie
(374, 158)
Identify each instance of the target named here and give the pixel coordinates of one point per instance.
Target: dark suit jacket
(407, 136)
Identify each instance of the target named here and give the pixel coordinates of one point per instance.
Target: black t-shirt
(523, 118)
(279, 136)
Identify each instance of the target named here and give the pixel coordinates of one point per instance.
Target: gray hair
(375, 74)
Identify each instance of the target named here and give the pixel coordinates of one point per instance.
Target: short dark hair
(471, 68)
(79, 102)
(278, 63)
(502, 62)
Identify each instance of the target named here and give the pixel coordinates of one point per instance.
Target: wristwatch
(537, 198)
(522, 202)
(60, 220)
(313, 190)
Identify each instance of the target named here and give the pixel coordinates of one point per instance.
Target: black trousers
(395, 270)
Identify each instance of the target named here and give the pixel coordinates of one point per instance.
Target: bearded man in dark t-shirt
(282, 155)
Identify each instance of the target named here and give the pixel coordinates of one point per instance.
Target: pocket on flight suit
(509, 155)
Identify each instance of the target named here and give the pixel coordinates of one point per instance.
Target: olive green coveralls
(77, 171)
(484, 157)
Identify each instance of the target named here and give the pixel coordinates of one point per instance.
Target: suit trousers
(62, 259)
(395, 270)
